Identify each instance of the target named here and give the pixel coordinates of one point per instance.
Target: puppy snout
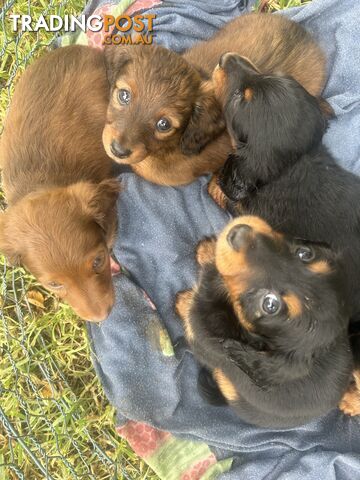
(119, 151)
(96, 309)
(101, 316)
(238, 236)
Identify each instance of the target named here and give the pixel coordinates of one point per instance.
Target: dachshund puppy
(60, 222)
(281, 171)
(268, 319)
(163, 117)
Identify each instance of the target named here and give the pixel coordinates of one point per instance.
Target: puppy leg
(183, 303)
(350, 403)
(216, 193)
(226, 387)
(209, 389)
(205, 251)
(182, 307)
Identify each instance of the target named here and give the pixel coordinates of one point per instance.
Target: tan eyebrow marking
(294, 304)
(321, 267)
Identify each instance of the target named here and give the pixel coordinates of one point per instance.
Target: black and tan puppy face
(272, 112)
(272, 280)
(159, 103)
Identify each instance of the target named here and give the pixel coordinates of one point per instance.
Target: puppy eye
(54, 285)
(124, 96)
(271, 304)
(163, 124)
(98, 263)
(305, 253)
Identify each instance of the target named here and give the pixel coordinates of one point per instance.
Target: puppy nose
(119, 151)
(238, 235)
(100, 318)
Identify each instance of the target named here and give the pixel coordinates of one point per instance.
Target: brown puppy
(163, 117)
(60, 222)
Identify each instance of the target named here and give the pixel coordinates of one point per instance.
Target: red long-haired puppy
(163, 117)
(60, 221)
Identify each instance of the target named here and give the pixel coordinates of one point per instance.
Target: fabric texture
(140, 354)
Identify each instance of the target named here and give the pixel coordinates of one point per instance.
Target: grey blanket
(151, 379)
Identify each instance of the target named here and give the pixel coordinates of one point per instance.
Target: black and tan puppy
(281, 171)
(268, 319)
(163, 117)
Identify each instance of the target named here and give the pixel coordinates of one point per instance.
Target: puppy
(163, 117)
(269, 323)
(60, 222)
(281, 171)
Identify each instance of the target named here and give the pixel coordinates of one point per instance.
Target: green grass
(17, 50)
(54, 407)
(50, 393)
(274, 5)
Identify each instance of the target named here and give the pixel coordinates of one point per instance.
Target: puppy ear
(103, 202)
(206, 122)
(98, 200)
(115, 60)
(8, 240)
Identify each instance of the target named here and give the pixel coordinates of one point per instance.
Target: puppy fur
(269, 324)
(60, 221)
(281, 171)
(162, 86)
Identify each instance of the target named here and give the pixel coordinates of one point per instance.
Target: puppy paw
(230, 344)
(216, 193)
(205, 251)
(242, 355)
(236, 191)
(234, 350)
(183, 303)
(232, 182)
(350, 403)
